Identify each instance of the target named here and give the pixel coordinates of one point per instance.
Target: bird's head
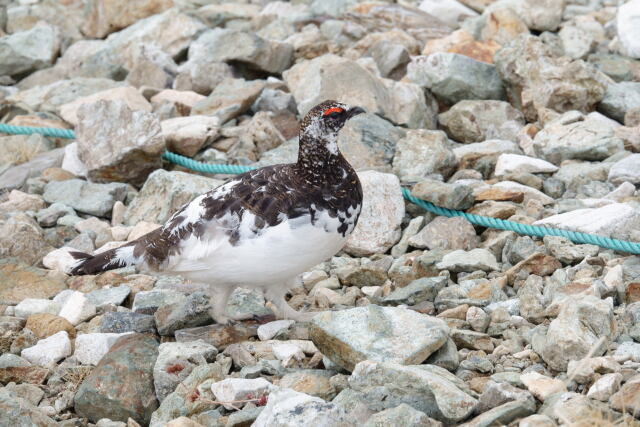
(322, 123)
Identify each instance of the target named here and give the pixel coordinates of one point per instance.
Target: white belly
(278, 254)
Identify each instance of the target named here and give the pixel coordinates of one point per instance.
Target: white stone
(271, 329)
(59, 259)
(71, 161)
(378, 228)
(631, 349)
(627, 169)
(491, 146)
(62, 296)
(49, 351)
(529, 192)
(234, 389)
(108, 246)
(605, 386)
(30, 306)
(542, 386)
(287, 352)
(128, 94)
(614, 278)
(372, 291)
(90, 348)
(449, 11)
(77, 308)
(473, 260)
(628, 27)
(614, 220)
(624, 190)
(515, 163)
(287, 407)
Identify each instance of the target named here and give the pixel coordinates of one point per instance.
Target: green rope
(501, 224)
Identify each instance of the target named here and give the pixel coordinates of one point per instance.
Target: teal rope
(28, 130)
(501, 224)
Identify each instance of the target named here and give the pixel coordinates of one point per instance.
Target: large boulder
(121, 386)
(118, 144)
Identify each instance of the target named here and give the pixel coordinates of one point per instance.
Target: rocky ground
(526, 110)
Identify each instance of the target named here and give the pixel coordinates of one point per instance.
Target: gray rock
(125, 321)
(627, 169)
(192, 311)
(629, 349)
(147, 302)
(164, 193)
(19, 412)
(422, 153)
(401, 415)
(391, 58)
(49, 216)
(287, 407)
(112, 139)
(423, 289)
(475, 121)
(347, 337)
(473, 260)
(450, 196)
(22, 238)
(176, 360)
(246, 303)
(201, 77)
(619, 99)
(8, 360)
(573, 334)
(558, 83)
(85, 197)
(181, 403)
(576, 42)
(567, 252)
(105, 296)
(503, 414)
(369, 142)
(30, 50)
(378, 227)
(15, 177)
(587, 140)
(446, 233)
(446, 357)
(332, 77)
(453, 77)
(430, 389)
(229, 99)
(227, 45)
(496, 394)
(121, 386)
(274, 100)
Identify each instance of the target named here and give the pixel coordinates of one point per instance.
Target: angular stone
(515, 163)
(187, 135)
(234, 389)
(421, 153)
(401, 415)
(21, 413)
(176, 360)
(23, 374)
(542, 386)
(453, 77)
(626, 170)
(22, 238)
(627, 399)
(229, 99)
(47, 352)
(91, 348)
(446, 233)
(475, 121)
(503, 414)
(378, 227)
(118, 144)
(104, 17)
(77, 308)
(43, 325)
(30, 306)
(228, 45)
(314, 382)
(450, 196)
(419, 290)
(473, 260)
(627, 28)
(121, 386)
(346, 337)
(85, 197)
(332, 77)
(119, 322)
(30, 50)
(220, 336)
(106, 296)
(427, 388)
(19, 281)
(193, 311)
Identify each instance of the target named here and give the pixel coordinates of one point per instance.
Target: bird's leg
(276, 294)
(218, 298)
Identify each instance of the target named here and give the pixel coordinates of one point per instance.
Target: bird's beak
(355, 111)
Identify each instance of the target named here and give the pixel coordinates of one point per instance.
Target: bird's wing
(240, 208)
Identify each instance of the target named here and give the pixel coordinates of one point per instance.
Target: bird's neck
(320, 161)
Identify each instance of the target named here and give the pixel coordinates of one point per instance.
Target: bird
(260, 229)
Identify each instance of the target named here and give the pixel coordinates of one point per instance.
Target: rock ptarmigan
(261, 229)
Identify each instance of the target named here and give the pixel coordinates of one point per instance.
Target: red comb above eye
(332, 110)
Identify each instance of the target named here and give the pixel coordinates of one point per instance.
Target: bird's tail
(107, 260)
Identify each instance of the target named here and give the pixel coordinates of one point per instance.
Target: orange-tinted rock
(45, 324)
(56, 174)
(538, 264)
(23, 374)
(633, 292)
(19, 281)
(478, 50)
(503, 25)
(499, 194)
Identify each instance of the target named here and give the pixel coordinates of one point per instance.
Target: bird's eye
(333, 112)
